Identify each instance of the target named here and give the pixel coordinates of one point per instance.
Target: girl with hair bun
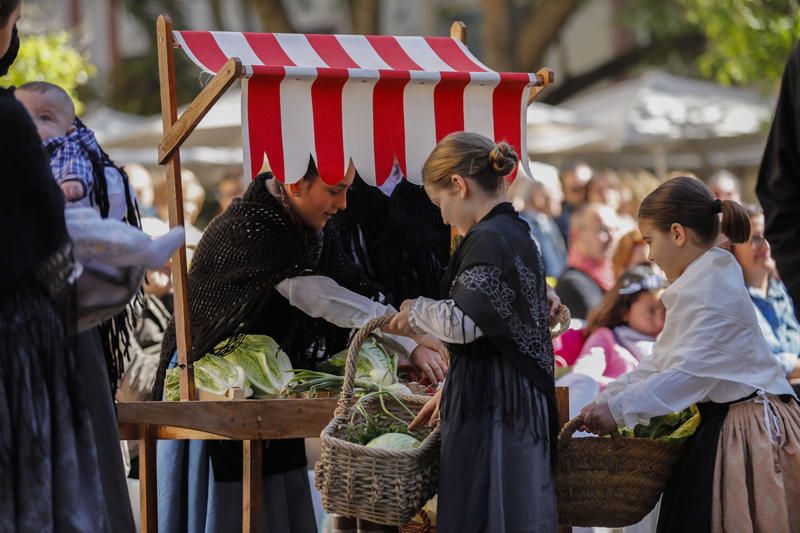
(741, 469)
(498, 417)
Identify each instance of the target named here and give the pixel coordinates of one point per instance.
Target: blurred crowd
(583, 221)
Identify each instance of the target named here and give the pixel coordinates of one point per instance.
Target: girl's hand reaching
(429, 414)
(553, 302)
(399, 324)
(597, 418)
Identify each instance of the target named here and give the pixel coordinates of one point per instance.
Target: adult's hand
(429, 363)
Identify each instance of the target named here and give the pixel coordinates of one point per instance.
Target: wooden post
(458, 30)
(148, 487)
(169, 115)
(546, 77)
(251, 485)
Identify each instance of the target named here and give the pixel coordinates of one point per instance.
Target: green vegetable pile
(673, 427)
(263, 370)
(257, 365)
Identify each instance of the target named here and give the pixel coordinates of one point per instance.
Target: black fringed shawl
(496, 278)
(247, 250)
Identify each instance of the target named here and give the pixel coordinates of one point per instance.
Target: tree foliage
(51, 58)
(748, 41)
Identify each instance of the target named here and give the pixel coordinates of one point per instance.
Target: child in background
(741, 470)
(623, 328)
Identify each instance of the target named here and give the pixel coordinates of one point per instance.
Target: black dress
(498, 411)
(49, 477)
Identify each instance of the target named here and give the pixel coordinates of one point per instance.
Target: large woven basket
(610, 482)
(383, 486)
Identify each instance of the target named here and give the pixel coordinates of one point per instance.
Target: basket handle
(346, 396)
(560, 322)
(569, 429)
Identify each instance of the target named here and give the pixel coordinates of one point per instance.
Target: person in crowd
(630, 251)
(772, 303)
(194, 196)
(742, 466)
(589, 274)
(573, 181)
(498, 418)
(778, 186)
(725, 186)
(141, 182)
(635, 186)
(267, 265)
(543, 206)
(621, 331)
(230, 187)
(605, 188)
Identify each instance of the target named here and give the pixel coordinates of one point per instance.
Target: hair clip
(649, 283)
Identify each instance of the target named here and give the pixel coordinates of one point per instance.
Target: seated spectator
(773, 305)
(623, 328)
(230, 187)
(635, 186)
(588, 275)
(542, 206)
(631, 250)
(141, 181)
(573, 183)
(605, 188)
(725, 186)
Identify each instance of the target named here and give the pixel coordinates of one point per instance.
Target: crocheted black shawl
(247, 250)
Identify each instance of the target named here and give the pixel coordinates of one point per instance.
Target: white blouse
(322, 297)
(444, 320)
(711, 348)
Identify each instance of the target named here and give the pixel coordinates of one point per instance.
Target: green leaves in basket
(672, 427)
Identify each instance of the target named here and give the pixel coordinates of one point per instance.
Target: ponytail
(687, 201)
(735, 222)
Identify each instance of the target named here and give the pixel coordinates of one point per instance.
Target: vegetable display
(673, 427)
(211, 373)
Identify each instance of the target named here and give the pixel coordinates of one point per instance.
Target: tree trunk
(365, 16)
(691, 44)
(542, 26)
(498, 53)
(273, 16)
(216, 14)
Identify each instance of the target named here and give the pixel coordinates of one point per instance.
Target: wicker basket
(610, 482)
(383, 486)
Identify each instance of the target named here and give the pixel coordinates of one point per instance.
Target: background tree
(50, 57)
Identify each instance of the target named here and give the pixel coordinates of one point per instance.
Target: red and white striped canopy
(370, 99)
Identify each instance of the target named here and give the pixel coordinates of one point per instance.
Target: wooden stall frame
(250, 421)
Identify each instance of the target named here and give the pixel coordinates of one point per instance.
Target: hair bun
(503, 159)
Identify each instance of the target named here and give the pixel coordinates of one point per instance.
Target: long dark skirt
(96, 391)
(495, 468)
(49, 477)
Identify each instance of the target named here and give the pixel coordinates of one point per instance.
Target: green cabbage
(374, 363)
(673, 427)
(267, 367)
(394, 441)
(211, 373)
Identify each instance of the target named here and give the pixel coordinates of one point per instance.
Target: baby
(53, 113)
